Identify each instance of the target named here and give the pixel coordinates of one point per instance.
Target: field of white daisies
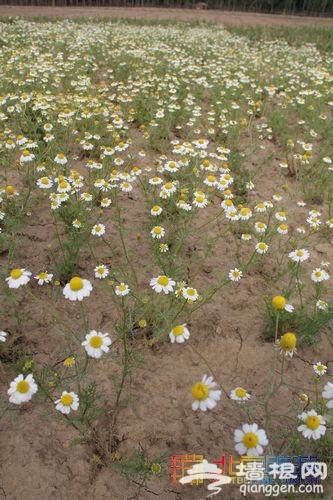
(166, 206)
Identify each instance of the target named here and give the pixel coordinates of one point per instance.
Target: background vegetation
(304, 7)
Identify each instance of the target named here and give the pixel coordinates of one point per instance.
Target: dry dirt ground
(39, 459)
(223, 17)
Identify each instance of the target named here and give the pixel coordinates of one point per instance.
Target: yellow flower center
(76, 284)
(9, 190)
(178, 330)
(63, 184)
(16, 274)
(283, 227)
(250, 440)
(23, 387)
(121, 287)
(228, 203)
(240, 392)
(61, 156)
(262, 246)
(42, 276)
(200, 391)
(96, 341)
(157, 230)
(45, 180)
(69, 361)
(163, 280)
(299, 253)
(66, 400)
(211, 178)
(278, 302)
(288, 341)
(26, 152)
(318, 274)
(156, 208)
(313, 422)
(169, 185)
(200, 199)
(191, 292)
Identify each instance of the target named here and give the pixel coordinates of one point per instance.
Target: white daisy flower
(250, 440)
(98, 230)
(68, 401)
(18, 277)
(239, 394)
(157, 232)
(61, 159)
(261, 247)
(44, 183)
(156, 210)
(322, 305)
(155, 181)
(126, 187)
(179, 334)
(319, 368)
(77, 289)
(106, 202)
(162, 284)
(260, 227)
(190, 293)
(200, 201)
(299, 255)
(121, 290)
(22, 389)
(77, 224)
(319, 275)
(96, 343)
(245, 213)
(26, 156)
(282, 229)
(314, 425)
(235, 274)
(205, 395)
(44, 277)
(328, 394)
(281, 216)
(101, 271)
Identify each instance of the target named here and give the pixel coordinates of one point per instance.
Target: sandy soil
(223, 17)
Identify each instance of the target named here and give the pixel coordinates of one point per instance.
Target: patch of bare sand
(215, 16)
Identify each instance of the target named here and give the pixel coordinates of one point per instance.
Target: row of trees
(320, 7)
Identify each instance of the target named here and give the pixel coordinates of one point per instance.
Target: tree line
(316, 7)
